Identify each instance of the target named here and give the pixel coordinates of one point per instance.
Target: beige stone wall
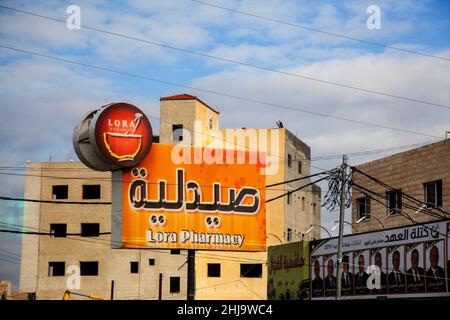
(304, 206)
(114, 264)
(176, 112)
(407, 171)
(31, 220)
(5, 288)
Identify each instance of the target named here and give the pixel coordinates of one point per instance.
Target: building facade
(416, 186)
(79, 242)
(49, 263)
(243, 275)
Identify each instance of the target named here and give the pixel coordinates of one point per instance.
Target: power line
(45, 233)
(386, 197)
(275, 105)
(318, 158)
(295, 25)
(235, 259)
(295, 190)
(368, 152)
(293, 180)
(209, 56)
(55, 202)
(413, 199)
(407, 216)
(108, 242)
(365, 191)
(9, 261)
(266, 188)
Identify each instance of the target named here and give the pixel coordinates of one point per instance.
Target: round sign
(116, 136)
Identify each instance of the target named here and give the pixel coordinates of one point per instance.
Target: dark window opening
(394, 201)
(91, 191)
(251, 270)
(288, 198)
(60, 192)
(174, 284)
(214, 270)
(289, 160)
(288, 234)
(89, 268)
(151, 262)
(177, 132)
(90, 229)
(56, 268)
(58, 230)
(299, 167)
(363, 207)
(433, 194)
(134, 267)
(174, 251)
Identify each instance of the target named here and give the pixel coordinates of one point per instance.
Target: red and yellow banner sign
(193, 206)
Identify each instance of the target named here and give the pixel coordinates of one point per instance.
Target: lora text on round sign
(118, 135)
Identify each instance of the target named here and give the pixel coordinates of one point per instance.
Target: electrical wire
(295, 190)
(267, 187)
(275, 105)
(237, 62)
(413, 199)
(342, 36)
(405, 215)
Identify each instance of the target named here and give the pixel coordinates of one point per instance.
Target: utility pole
(112, 289)
(160, 287)
(341, 227)
(191, 275)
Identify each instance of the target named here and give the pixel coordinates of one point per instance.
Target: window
(91, 191)
(249, 270)
(210, 123)
(174, 284)
(56, 268)
(433, 194)
(394, 201)
(363, 207)
(288, 234)
(288, 198)
(151, 262)
(303, 204)
(299, 167)
(134, 267)
(177, 132)
(289, 160)
(214, 270)
(173, 251)
(89, 268)
(314, 208)
(58, 230)
(90, 229)
(60, 192)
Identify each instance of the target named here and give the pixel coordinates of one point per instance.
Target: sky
(42, 99)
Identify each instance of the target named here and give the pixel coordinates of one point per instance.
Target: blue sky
(41, 99)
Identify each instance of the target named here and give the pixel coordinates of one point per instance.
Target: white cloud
(398, 74)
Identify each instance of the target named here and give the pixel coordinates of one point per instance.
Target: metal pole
(341, 227)
(160, 287)
(191, 275)
(112, 289)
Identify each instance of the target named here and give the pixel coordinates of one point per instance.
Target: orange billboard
(190, 206)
